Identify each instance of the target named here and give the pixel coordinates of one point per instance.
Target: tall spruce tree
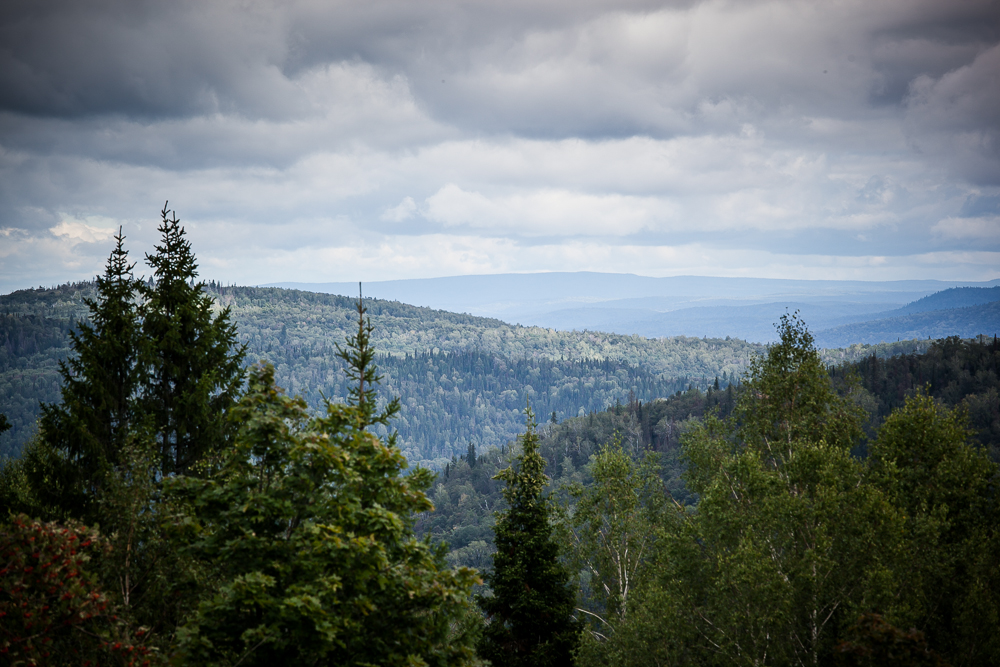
(194, 363)
(84, 436)
(530, 612)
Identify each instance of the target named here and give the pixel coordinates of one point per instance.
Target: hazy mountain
(968, 322)
(956, 297)
(628, 304)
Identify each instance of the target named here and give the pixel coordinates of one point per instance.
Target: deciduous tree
(52, 609)
(948, 572)
(792, 542)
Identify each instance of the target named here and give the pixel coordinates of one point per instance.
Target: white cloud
(957, 117)
(546, 212)
(979, 228)
(405, 209)
(82, 232)
(638, 135)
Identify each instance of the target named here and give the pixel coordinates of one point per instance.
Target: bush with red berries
(50, 605)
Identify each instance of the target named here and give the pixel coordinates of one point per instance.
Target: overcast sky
(319, 140)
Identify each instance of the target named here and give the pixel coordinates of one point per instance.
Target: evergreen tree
(194, 363)
(83, 437)
(309, 525)
(530, 612)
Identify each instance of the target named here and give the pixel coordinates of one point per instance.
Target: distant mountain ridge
(967, 322)
(955, 297)
(654, 307)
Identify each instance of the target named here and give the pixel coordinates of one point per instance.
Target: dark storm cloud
(169, 59)
(518, 135)
(550, 68)
(142, 59)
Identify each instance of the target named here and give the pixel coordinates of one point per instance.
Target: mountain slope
(631, 304)
(956, 297)
(969, 322)
(460, 378)
(753, 322)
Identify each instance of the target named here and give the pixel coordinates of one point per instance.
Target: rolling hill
(912, 323)
(460, 378)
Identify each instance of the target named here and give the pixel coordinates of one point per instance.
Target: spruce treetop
(530, 612)
(526, 480)
(172, 260)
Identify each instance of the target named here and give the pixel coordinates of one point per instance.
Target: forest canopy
(460, 378)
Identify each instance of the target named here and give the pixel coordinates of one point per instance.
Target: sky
(391, 139)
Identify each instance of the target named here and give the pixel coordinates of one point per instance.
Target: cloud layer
(320, 141)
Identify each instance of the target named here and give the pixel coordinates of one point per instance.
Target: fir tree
(194, 362)
(84, 435)
(530, 612)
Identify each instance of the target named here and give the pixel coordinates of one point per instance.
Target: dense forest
(963, 374)
(924, 399)
(460, 378)
(177, 506)
(959, 373)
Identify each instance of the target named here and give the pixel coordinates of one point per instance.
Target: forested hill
(952, 371)
(270, 318)
(955, 297)
(460, 378)
(966, 322)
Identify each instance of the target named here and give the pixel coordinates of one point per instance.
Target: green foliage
(84, 435)
(193, 366)
(952, 370)
(461, 378)
(617, 526)
(789, 398)
(465, 500)
(465, 497)
(51, 606)
(787, 551)
(308, 525)
(96, 457)
(529, 609)
(792, 538)
(786, 542)
(34, 338)
(945, 488)
(15, 491)
(614, 523)
(293, 538)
